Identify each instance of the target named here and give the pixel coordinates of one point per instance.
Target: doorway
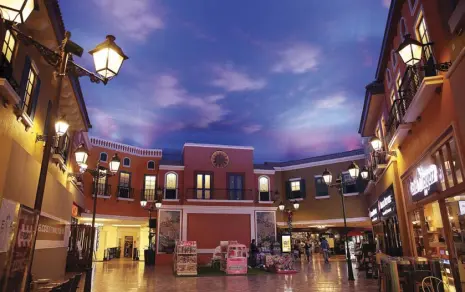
(236, 187)
(128, 246)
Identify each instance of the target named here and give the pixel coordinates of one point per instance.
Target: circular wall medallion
(220, 159)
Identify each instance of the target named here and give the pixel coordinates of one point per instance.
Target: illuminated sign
(387, 211)
(386, 201)
(425, 178)
(373, 213)
(286, 243)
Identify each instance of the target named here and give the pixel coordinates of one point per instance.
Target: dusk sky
(286, 77)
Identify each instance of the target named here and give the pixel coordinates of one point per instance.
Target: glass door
(235, 187)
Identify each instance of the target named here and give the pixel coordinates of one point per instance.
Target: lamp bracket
(389, 153)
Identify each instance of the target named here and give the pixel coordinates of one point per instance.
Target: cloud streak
(233, 80)
(297, 58)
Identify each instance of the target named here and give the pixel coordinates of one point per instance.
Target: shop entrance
(128, 243)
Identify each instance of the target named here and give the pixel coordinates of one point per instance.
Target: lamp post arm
(79, 71)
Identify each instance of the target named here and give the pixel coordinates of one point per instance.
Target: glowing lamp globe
(410, 51)
(281, 206)
(115, 163)
(158, 204)
(143, 203)
(376, 143)
(364, 173)
(16, 10)
(327, 177)
(61, 127)
(81, 155)
(296, 205)
(354, 170)
(108, 58)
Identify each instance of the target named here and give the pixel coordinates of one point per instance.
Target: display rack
(185, 258)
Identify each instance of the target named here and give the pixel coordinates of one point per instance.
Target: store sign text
(426, 177)
(385, 202)
(374, 214)
(387, 211)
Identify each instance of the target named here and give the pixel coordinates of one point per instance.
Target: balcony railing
(378, 162)
(220, 194)
(125, 192)
(103, 189)
(395, 118)
(6, 71)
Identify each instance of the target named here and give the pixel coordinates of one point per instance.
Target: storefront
(435, 200)
(383, 214)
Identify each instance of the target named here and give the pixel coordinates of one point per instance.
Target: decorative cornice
(124, 148)
(263, 171)
(218, 146)
(319, 163)
(171, 167)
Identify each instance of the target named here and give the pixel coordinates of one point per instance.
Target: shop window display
(456, 213)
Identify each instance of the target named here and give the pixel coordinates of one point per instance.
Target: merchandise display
(236, 261)
(185, 258)
(280, 264)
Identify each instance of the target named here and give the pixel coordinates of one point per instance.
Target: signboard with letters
(387, 203)
(374, 212)
(50, 229)
(424, 182)
(15, 274)
(286, 243)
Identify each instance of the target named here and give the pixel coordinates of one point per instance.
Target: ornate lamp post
(97, 173)
(354, 172)
(108, 58)
(290, 212)
(153, 207)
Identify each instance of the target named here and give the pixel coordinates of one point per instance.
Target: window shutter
(303, 193)
(288, 190)
(25, 75)
(35, 98)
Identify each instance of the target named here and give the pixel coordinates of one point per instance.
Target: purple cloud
(234, 80)
(250, 129)
(297, 58)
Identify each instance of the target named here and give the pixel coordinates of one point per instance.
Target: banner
(169, 231)
(19, 256)
(8, 211)
(50, 229)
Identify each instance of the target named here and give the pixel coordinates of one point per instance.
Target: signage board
(462, 207)
(286, 243)
(74, 210)
(387, 203)
(8, 211)
(17, 267)
(424, 181)
(374, 212)
(50, 229)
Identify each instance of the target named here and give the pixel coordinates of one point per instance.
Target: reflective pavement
(129, 276)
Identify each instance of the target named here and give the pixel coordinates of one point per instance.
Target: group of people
(309, 246)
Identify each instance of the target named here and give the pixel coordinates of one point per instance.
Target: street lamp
(340, 184)
(411, 50)
(377, 146)
(155, 198)
(16, 10)
(364, 173)
(97, 173)
(289, 211)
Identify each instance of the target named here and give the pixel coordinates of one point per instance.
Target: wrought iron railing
(6, 71)
(377, 159)
(125, 192)
(220, 194)
(103, 189)
(396, 115)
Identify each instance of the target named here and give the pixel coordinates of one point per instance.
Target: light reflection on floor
(129, 276)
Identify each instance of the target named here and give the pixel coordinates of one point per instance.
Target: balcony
(416, 90)
(103, 190)
(124, 193)
(220, 195)
(378, 162)
(9, 88)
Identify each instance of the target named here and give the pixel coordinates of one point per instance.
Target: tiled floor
(129, 276)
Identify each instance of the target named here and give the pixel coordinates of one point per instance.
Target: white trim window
(103, 157)
(321, 188)
(423, 36)
(150, 184)
(394, 58)
(151, 165)
(295, 186)
(412, 4)
(264, 188)
(171, 185)
(126, 162)
(9, 46)
(403, 30)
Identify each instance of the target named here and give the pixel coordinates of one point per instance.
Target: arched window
(264, 188)
(103, 157)
(388, 77)
(171, 185)
(126, 162)
(151, 164)
(394, 58)
(403, 30)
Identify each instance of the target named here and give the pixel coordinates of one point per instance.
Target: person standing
(308, 250)
(325, 248)
(253, 253)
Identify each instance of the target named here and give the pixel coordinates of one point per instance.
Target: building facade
(27, 88)
(415, 196)
(214, 193)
